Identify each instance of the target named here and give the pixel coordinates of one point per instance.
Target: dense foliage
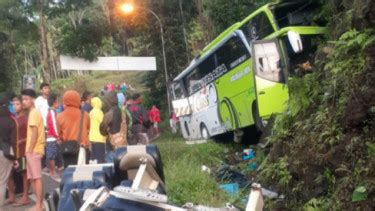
(322, 157)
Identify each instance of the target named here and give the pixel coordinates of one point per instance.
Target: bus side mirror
(295, 41)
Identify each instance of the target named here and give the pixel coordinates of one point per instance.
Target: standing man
(155, 120)
(41, 103)
(86, 101)
(71, 131)
(35, 142)
(21, 120)
(8, 141)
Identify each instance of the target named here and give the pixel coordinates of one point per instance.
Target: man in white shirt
(41, 103)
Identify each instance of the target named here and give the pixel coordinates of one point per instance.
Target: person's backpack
(138, 114)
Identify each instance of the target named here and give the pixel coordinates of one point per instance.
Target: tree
(43, 41)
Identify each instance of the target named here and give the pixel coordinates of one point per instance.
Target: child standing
(52, 135)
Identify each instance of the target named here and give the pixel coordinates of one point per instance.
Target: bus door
(180, 102)
(270, 77)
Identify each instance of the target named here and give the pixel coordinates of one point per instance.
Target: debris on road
(232, 189)
(248, 154)
(196, 142)
(206, 169)
(229, 174)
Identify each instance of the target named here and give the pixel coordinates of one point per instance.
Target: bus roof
(233, 28)
(219, 39)
(198, 60)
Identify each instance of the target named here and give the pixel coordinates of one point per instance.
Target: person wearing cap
(35, 143)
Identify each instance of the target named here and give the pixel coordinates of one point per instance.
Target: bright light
(127, 8)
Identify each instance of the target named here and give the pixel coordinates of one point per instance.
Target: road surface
(49, 184)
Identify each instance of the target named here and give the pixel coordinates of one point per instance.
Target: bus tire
(259, 122)
(204, 132)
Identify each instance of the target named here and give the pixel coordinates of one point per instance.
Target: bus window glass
(193, 82)
(206, 67)
(258, 27)
(232, 53)
(267, 61)
(178, 92)
(297, 14)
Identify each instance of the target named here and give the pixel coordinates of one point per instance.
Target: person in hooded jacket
(8, 141)
(68, 124)
(97, 140)
(114, 122)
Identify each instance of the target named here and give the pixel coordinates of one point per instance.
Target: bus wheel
(260, 123)
(204, 132)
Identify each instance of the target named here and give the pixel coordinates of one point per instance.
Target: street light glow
(127, 8)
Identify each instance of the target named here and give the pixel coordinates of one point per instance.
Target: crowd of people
(122, 87)
(50, 131)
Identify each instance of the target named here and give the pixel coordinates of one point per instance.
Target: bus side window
(193, 82)
(205, 68)
(233, 53)
(178, 92)
(258, 27)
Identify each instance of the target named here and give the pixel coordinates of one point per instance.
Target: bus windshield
(296, 13)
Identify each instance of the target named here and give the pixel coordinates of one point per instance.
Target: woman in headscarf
(114, 121)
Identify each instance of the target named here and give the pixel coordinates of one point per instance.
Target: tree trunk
(184, 31)
(205, 21)
(43, 42)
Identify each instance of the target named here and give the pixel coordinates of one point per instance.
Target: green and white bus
(240, 78)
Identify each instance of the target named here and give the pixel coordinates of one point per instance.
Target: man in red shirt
(154, 116)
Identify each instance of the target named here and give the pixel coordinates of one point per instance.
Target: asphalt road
(49, 185)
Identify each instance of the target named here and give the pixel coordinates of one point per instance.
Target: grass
(185, 181)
